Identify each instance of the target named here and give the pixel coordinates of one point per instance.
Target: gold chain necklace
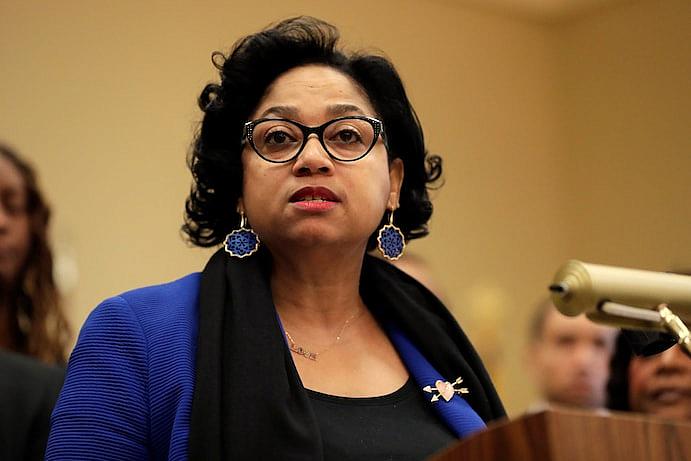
(308, 354)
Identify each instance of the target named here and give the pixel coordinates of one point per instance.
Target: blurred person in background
(658, 384)
(569, 358)
(31, 319)
(650, 376)
(418, 268)
(28, 391)
(33, 330)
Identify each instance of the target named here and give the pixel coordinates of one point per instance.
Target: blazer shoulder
(135, 352)
(165, 302)
(166, 309)
(185, 288)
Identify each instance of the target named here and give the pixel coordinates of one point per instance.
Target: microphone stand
(663, 317)
(676, 327)
(592, 289)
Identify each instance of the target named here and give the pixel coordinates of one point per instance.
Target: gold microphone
(626, 298)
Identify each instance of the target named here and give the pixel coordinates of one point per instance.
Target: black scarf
(249, 402)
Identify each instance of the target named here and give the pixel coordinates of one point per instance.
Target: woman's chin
(319, 238)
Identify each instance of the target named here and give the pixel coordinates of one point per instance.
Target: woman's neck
(315, 290)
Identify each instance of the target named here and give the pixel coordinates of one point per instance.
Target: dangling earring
(241, 242)
(390, 240)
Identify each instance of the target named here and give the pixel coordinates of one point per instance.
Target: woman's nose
(313, 159)
(672, 357)
(671, 361)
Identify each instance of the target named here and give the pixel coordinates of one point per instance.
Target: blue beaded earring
(241, 242)
(390, 240)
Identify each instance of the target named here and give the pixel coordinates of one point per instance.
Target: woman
(656, 382)
(31, 321)
(292, 344)
(33, 331)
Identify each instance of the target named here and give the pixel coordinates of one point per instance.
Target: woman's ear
(396, 182)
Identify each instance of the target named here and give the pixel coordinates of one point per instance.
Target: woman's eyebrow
(343, 109)
(281, 111)
(292, 112)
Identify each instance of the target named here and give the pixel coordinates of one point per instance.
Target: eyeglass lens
(344, 139)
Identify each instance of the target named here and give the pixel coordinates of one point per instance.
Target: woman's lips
(314, 205)
(314, 199)
(314, 193)
(668, 395)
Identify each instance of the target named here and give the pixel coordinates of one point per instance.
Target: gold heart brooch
(445, 389)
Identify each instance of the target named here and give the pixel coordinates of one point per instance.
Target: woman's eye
(13, 204)
(278, 137)
(347, 136)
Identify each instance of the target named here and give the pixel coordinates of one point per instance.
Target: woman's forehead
(313, 90)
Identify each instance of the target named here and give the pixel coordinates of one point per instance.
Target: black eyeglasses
(346, 139)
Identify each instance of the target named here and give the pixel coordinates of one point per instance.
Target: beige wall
(560, 140)
(627, 101)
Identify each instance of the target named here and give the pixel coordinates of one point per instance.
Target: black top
(249, 408)
(400, 426)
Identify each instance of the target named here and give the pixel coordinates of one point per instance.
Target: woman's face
(661, 384)
(15, 234)
(314, 199)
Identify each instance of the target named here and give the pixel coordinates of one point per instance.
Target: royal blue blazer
(130, 379)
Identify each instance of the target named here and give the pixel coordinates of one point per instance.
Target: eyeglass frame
(377, 126)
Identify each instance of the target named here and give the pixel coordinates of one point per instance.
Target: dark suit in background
(28, 391)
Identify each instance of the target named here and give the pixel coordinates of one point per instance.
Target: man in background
(569, 358)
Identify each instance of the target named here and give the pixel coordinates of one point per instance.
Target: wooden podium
(570, 435)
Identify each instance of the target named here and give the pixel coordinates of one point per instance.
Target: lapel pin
(445, 389)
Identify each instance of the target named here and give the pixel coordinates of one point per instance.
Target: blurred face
(15, 236)
(661, 384)
(571, 360)
(314, 199)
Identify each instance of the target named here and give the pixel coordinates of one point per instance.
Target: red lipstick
(314, 199)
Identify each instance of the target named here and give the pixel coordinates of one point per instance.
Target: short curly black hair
(253, 64)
